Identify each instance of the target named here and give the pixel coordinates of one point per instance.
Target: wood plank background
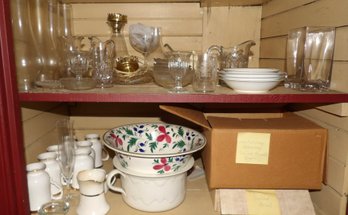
(278, 17)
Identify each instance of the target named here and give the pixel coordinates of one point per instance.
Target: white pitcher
(92, 192)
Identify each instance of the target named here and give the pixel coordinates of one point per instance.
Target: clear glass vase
(44, 20)
(28, 62)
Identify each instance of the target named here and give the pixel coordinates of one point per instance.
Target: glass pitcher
(234, 57)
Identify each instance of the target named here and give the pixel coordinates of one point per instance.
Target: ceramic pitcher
(92, 192)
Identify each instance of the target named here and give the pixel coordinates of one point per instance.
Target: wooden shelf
(151, 93)
(204, 3)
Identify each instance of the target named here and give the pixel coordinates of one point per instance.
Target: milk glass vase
(26, 52)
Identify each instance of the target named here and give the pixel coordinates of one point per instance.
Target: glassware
(145, 40)
(43, 16)
(318, 56)
(179, 65)
(26, 51)
(205, 73)
(78, 62)
(309, 58)
(66, 153)
(64, 32)
(102, 61)
(294, 57)
(55, 207)
(117, 21)
(234, 57)
(65, 16)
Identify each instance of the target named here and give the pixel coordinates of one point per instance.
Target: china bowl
(251, 70)
(153, 148)
(150, 193)
(252, 86)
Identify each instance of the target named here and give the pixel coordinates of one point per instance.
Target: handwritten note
(262, 202)
(253, 148)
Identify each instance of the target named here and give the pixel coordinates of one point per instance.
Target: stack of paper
(263, 202)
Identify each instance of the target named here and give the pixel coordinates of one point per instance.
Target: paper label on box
(262, 202)
(253, 148)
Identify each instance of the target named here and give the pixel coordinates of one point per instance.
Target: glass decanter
(117, 21)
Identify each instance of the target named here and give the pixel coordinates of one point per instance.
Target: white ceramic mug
(97, 146)
(53, 148)
(86, 144)
(39, 186)
(53, 170)
(83, 161)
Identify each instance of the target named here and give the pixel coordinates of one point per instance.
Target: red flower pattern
(118, 141)
(163, 135)
(164, 165)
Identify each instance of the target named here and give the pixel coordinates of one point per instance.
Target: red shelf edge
(184, 98)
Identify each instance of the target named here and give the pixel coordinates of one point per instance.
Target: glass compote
(145, 40)
(178, 65)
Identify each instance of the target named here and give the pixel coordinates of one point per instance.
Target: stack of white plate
(251, 80)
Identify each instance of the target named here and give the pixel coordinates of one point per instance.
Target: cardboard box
(286, 152)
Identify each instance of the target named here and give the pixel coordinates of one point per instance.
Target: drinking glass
(144, 39)
(179, 65)
(66, 153)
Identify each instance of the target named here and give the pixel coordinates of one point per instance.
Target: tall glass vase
(65, 36)
(44, 19)
(28, 61)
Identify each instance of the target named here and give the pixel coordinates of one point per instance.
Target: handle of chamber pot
(111, 180)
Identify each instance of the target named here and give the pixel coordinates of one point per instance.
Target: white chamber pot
(149, 192)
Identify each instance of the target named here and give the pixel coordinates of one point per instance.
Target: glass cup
(179, 64)
(295, 57)
(205, 73)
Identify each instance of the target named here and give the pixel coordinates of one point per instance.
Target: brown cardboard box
(286, 152)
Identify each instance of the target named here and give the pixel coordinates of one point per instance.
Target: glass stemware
(179, 65)
(144, 39)
(78, 62)
(66, 154)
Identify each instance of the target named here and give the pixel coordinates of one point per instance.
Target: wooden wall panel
(274, 47)
(336, 175)
(231, 26)
(273, 63)
(320, 13)
(137, 11)
(38, 126)
(185, 26)
(329, 201)
(274, 7)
